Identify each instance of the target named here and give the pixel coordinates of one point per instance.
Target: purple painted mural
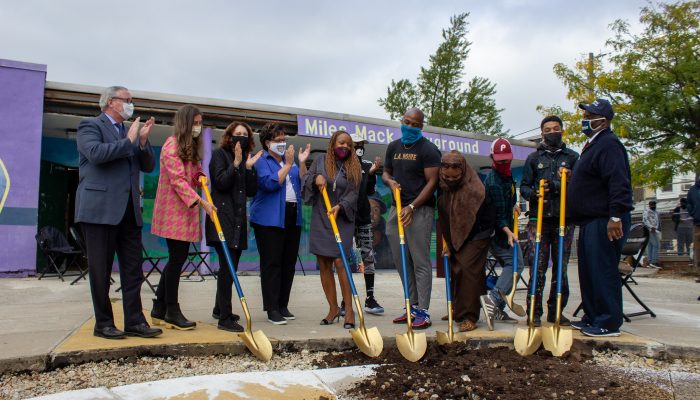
(22, 99)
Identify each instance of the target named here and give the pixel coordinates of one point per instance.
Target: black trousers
(102, 242)
(224, 282)
(278, 248)
(169, 283)
(599, 276)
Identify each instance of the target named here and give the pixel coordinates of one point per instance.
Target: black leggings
(170, 278)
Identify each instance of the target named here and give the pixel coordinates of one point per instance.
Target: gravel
(143, 369)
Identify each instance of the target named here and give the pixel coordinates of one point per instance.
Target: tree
(441, 93)
(654, 84)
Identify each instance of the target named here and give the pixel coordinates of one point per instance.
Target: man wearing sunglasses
(599, 200)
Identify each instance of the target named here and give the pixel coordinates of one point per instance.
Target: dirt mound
(461, 372)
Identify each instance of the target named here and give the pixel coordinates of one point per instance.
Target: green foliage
(654, 84)
(440, 90)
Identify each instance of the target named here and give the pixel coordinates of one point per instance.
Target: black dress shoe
(109, 332)
(142, 330)
(229, 324)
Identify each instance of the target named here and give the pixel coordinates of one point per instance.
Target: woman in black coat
(232, 180)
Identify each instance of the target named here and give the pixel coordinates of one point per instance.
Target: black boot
(175, 320)
(158, 312)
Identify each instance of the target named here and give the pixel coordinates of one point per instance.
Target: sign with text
(381, 134)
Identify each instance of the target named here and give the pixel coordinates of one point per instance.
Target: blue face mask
(587, 129)
(409, 134)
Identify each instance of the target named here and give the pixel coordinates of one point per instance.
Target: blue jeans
(505, 280)
(653, 247)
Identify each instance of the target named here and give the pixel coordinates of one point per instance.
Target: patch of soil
(460, 372)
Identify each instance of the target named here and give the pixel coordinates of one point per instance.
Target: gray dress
(322, 240)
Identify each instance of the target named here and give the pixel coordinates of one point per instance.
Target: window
(667, 188)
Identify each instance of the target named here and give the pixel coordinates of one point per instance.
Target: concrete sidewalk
(49, 323)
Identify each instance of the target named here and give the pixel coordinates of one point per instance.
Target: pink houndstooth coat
(175, 213)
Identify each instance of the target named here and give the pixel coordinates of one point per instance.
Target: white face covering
(196, 131)
(278, 148)
(127, 110)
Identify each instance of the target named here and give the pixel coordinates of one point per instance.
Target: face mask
(243, 140)
(503, 169)
(360, 152)
(278, 148)
(410, 135)
(652, 208)
(127, 110)
(553, 139)
(587, 129)
(196, 131)
(341, 153)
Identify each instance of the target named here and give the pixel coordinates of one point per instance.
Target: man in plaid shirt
(500, 187)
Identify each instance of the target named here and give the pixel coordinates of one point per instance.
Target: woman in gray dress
(340, 173)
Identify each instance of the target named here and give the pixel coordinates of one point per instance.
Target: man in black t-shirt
(412, 163)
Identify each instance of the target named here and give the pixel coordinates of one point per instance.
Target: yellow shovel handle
(540, 210)
(397, 197)
(215, 216)
(516, 214)
(331, 217)
(562, 199)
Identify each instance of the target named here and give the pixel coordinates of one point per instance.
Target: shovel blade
(527, 341)
(412, 346)
(516, 308)
(444, 338)
(557, 340)
(370, 343)
(258, 344)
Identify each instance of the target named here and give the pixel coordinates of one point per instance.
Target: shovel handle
(397, 198)
(540, 209)
(334, 225)
(562, 233)
(222, 239)
(331, 217)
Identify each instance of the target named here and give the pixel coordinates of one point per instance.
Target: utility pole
(591, 77)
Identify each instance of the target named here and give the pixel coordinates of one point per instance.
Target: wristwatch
(615, 219)
(412, 207)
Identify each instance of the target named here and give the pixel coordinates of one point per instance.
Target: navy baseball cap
(599, 107)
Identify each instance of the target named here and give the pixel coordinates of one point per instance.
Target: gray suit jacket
(109, 172)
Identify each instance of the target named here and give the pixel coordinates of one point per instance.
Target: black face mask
(553, 139)
(243, 140)
(653, 208)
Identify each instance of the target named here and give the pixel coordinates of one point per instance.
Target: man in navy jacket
(599, 201)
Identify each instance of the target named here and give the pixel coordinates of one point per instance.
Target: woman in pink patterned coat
(176, 211)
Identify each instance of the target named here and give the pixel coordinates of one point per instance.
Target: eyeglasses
(123, 99)
(448, 165)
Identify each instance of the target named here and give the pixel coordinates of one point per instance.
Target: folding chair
(196, 258)
(633, 250)
(57, 250)
(154, 261)
(78, 239)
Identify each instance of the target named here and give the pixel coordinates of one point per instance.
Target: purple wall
(21, 111)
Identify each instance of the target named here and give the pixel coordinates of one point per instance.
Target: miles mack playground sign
(380, 134)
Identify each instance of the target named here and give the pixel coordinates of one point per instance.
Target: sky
(323, 55)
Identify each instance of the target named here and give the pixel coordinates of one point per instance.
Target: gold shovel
(527, 341)
(516, 308)
(411, 345)
(369, 341)
(450, 336)
(555, 339)
(256, 342)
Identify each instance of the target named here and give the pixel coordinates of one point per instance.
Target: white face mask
(127, 110)
(196, 131)
(278, 148)
(360, 152)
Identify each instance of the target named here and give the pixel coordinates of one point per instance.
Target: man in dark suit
(107, 206)
(599, 199)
